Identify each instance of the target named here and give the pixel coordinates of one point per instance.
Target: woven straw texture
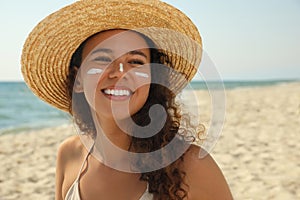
(49, 47)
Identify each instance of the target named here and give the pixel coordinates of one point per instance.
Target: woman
(97, 61)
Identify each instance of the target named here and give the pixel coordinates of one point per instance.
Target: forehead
(119, 41)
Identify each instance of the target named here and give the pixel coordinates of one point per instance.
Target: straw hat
(49, 47)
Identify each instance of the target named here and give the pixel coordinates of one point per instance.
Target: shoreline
(65, 119)
(258, 149)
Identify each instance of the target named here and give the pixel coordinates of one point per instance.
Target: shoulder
(203, 176)
(70, 146)
(70, 149)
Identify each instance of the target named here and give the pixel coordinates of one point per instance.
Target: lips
(117, 93)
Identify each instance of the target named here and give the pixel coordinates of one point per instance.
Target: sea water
(20, 110)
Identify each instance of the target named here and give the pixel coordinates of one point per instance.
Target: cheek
(141, 79)
(145, 91)
(90, 84)
(141, 97)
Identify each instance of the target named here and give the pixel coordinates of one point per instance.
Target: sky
(246, 40)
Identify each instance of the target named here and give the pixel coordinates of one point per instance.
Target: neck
(116, 135)
(112, 143)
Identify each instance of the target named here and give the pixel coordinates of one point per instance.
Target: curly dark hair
(164, 183)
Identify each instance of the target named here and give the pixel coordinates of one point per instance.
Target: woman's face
(115, 73)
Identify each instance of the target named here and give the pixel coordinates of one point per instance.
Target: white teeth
(117, 92)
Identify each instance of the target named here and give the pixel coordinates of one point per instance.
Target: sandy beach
(258, 151)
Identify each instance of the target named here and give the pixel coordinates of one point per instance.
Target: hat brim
(49, 47)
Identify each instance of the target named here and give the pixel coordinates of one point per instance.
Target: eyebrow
(105, 50)
(102, 50)
(137, 52)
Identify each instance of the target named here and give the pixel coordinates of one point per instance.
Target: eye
(136, 62)
(105, 59)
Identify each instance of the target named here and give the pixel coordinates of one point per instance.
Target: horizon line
(224, 80)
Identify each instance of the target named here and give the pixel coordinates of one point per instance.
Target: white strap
(85, 159)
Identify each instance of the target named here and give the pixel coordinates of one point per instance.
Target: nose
(116, 69)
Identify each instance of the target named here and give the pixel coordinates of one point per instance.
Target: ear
(78, 83)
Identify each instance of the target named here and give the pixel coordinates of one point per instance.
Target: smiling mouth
(117, 94)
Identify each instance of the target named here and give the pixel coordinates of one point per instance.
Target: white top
(74, 194)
